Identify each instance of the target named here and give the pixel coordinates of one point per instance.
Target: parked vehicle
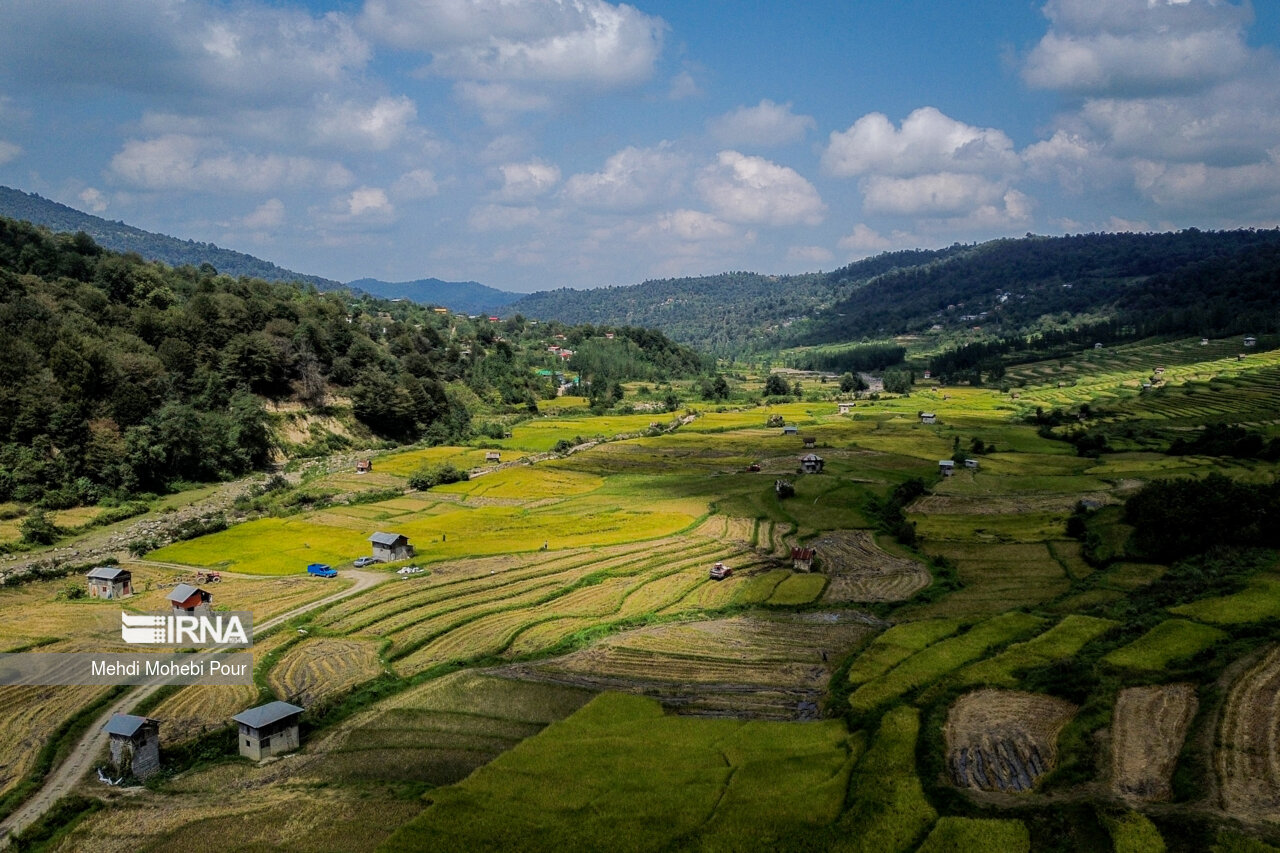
(322, 570)
(361, 562)
(720, 571)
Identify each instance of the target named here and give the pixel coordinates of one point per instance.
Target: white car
(364, 561)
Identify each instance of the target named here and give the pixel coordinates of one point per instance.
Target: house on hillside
(1097, 346)
(971, 464)
(364, 466)
(493, 456)
(135, 745)
(1204, 342)
(928, 418)
(1250, 341)
(110, 582)
(845, 407)
(811, 463)
(946, 467)
(802, 559)
(389, 547)
(790, 429)
(268, 729)
(186, 598)
(809, 441)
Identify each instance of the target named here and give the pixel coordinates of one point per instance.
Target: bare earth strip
(1003, 740)
(861, 571)
(1248, 756)
(1148, 728)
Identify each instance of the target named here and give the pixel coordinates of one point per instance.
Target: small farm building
(364, 466)
(389, 547)
(190, 599)
(845, 407)
(946, 467)
(811, 463)
(110, 582)
(791, 429)
(1097, 346)
(268, 729)
(802, 559)
(493, 456)
(809, 441)
(135, 745)
(971, 464)
(1250, 341)
(928, 418)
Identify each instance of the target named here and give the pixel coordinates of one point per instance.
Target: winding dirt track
(64, 778)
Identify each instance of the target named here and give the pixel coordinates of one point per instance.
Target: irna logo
(187, 629)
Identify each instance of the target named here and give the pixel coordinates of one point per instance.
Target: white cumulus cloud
(374, 126)
(9, 151)
(269, 214)
(766, 123)
(178, 162)
(754, 190)
(632, 179)
(525, 181)
(93, 200)
(586, 42)
(928, 141)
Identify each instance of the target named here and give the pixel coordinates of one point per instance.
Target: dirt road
(63, 779)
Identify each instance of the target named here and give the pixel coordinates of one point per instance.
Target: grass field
(619, 774)
(1174, 640)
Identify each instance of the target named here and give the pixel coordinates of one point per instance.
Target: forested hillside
(1190, 282)
(119, 237)
(726, 314)
(120, 376)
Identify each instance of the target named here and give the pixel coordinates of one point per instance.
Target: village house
(928, 418)
(364, 466)
(809, 441)
(493, 456)
(110, 582)
(1250, 341)
(802, 559)
(946, 467)
(971, 464)
(389, 547)
(791, 429)
(135, 745)
(186, 598)
(845, 407)
(1204, 342)
(811, 463)
(268, 729)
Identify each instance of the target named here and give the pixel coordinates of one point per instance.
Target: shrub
(429, 476)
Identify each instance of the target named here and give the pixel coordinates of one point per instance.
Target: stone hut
(135, 745)
(268, 729)
(811, 463)
(389, 547)
(110, 582)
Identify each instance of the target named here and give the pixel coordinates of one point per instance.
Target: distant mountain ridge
(468, 297)
(119, 237)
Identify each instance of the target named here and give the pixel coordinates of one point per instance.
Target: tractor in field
(720, 571)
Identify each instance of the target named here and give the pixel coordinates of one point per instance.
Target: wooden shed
(845, 407)
(190, 599)
(364, 466)
(389, 547)
(928, 418)
(809, 440)
(110, 582)
(790, 429)
(802, 559)
(268, 729)
(135, 745)
(492, 456)
(946, 467)
(811, 463)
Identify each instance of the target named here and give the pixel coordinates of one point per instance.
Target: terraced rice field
(1147, 731)
(315, 669)
(997, 577)
(774, 667)
(31, 716)
(440, 731)
(863, 572)
(1248, 755)
(1174, 640)
(1001, 740)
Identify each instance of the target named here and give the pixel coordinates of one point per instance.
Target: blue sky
(534, 144)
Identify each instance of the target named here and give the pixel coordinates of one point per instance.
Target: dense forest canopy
(119, 375)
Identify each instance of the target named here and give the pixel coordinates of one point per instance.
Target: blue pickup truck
(322, 570)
